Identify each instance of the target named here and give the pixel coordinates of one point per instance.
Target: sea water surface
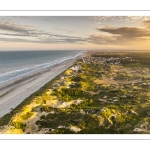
(14, 64)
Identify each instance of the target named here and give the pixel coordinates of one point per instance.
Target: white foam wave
(7, 76)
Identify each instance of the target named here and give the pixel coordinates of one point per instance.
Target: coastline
(87, 99)
(16, 91)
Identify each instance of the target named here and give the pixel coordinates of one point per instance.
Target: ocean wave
(7, 76)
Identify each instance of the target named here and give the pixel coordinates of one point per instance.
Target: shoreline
(16, 91)
(28, 75)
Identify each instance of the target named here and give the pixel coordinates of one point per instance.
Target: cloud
(13, 30)
(17, 40)
(101, 39)
(128, 32)
(114, 36)
(146, 24)
(48, 40)
(62, 40)
(58, 38)
(34, 34)
(8, 26)
(121, 36)
(60, 29)
(120, 18)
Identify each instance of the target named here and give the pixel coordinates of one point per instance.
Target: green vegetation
(108, 94)
(27, 115)
(67, 94)
(19, 125)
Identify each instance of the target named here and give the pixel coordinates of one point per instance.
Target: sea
(14, 64)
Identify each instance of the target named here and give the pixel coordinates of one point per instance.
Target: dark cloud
(121, 35)
(146, 21)
(127, 32)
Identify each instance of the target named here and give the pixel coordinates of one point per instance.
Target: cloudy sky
(75, 33)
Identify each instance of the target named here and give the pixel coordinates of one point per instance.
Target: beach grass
(4, 120)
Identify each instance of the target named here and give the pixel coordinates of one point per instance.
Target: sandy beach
(15, 91)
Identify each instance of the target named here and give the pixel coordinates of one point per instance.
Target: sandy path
(17, 92)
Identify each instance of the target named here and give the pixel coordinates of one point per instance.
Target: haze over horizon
(74, 33)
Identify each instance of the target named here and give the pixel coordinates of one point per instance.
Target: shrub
(27, 115)
(19, 125)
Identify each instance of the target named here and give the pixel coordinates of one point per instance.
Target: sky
(74, 33)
